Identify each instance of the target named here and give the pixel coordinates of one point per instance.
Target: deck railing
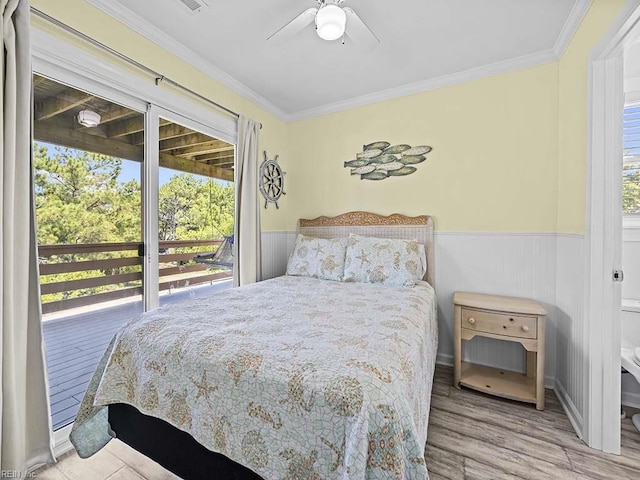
(106, 272)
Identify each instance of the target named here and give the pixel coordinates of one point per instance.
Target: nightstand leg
(457, 347)
(531, 364)
(540, 379)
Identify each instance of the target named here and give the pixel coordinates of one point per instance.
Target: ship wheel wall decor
(271, 180)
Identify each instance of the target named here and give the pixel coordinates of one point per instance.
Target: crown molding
(152, 33)
(579, 10)
(518, 63)
(160, 38)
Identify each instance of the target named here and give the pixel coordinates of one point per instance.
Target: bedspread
(292, 377)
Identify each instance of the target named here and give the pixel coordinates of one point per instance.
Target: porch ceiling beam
(167, 131)
(45, 132)
(92, 143)
(190, 140)
(125, 127)
(63, 102)
(115, 112)
(186, 165)
(210, 147)
(131, 126)
(37, 80)
(220, 162)
(214, 156)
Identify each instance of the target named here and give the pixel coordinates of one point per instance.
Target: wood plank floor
(481, 437)
(471, 436)
(75, 344)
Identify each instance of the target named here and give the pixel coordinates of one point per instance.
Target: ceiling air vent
(194, 6)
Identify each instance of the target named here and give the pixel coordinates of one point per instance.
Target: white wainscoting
(571, 358)
(276, 247)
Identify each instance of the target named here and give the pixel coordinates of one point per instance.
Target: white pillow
(318, 258)
(384, 260)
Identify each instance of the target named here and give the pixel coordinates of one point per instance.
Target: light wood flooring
(471, 436)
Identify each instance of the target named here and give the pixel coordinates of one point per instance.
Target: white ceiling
(421, 41)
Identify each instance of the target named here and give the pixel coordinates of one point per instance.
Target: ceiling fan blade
(357, 31)
(293, 27)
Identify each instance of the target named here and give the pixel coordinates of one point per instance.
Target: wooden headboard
(418, 228)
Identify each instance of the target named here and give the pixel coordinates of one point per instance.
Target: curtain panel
(25, 426)
(247, 262)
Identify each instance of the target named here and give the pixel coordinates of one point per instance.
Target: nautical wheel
(271, 180)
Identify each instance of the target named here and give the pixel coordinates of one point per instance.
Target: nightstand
(504, 318)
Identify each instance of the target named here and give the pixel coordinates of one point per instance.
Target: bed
(293, 377)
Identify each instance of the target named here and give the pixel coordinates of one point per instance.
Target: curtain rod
(159, 78)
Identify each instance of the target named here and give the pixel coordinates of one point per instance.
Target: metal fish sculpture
(377, 175)
(376, 146)
(356, 163)
(369, 153)
(384, 159)
(397, 149)
(363, 170)
(412, 159)
(387, 167)
(380, 160)
(421, 150)
(403, 171)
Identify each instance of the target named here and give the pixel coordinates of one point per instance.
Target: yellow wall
(509, 150)
(572, 153)
(91, 21)
(493, 166)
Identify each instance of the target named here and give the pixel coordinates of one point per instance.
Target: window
(631, 166)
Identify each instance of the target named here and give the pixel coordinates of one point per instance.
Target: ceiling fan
(331, 21)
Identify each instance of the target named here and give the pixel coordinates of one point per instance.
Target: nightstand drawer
(499, 324)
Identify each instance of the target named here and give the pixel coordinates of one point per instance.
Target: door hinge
(618, 275)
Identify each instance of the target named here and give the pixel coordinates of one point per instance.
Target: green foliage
(80, 200)
(631, 189)
(193, 208)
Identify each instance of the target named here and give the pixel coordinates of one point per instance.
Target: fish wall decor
(380, 160)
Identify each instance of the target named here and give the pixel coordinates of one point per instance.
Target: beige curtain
(25, 438)
(247, 263)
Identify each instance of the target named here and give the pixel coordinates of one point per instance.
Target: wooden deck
(76, 343)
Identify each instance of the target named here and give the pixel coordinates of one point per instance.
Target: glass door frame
(151, 187)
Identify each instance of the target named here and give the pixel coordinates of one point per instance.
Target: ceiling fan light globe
(331, 21)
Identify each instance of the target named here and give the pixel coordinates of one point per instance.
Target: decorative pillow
(384, 260)
(318, 258)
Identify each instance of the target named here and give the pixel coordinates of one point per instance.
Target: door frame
(152, 191)
(603, 234)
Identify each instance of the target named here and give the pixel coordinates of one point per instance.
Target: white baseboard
(444, 359)
(61, 442)
(447, 359)
(569, 408)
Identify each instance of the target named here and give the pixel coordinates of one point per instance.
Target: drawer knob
(471, 320)
(525, 328)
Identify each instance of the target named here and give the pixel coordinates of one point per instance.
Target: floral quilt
(294, 377)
